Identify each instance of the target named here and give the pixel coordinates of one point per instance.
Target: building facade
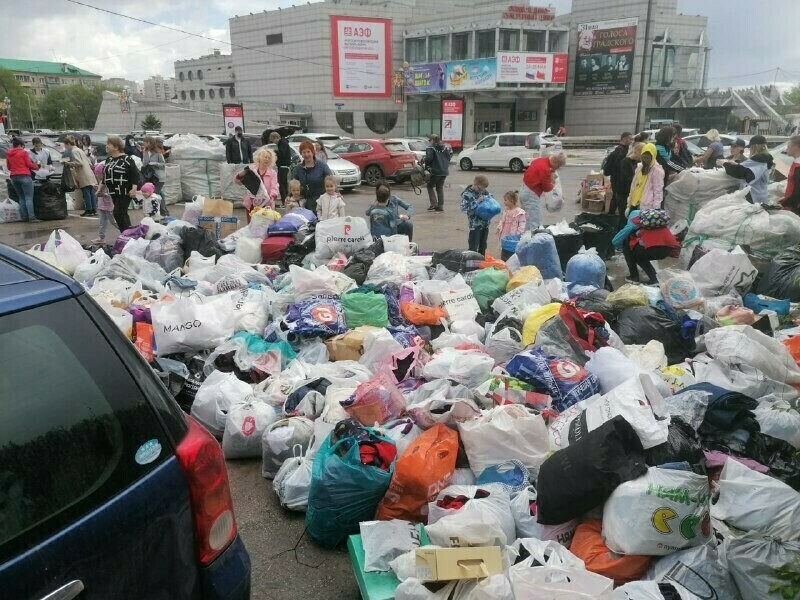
(122, 83)
(39, 77)
(160, 88)
(208, 78)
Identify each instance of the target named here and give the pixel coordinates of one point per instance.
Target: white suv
(515, 151)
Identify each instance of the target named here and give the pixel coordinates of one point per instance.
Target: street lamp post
(30, 110)
(7, 102)
(63, 114)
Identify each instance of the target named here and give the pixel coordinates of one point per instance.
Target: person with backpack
(154, 169)
(437, 160)
(612, 166)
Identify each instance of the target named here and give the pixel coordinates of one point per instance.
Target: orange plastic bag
(419, 314)
(144, 340)
(587, 544)
(793, 346)
(489, 261)
(421, 472)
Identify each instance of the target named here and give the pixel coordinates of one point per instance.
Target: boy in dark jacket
(437, 159)
(612, 166)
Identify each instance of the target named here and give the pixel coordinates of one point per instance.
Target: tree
(793, 95)
(81, 104)
(151, 123)
(11, 89)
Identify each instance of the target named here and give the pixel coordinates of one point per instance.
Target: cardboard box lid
(445, 564)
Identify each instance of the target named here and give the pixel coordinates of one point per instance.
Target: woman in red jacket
(20, 165)
(539, 178)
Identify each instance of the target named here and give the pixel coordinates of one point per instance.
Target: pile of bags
(515, 404)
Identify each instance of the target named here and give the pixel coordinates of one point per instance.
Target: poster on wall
(361, 48)
(452, 122)
(233, 115)
(531, 67)
(424, 78)
(479, 74)
(604, 60)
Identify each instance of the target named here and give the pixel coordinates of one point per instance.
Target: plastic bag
(292, 482)
(244, 428)
(779, 420)
(523, 507)
(612, 368)
(533, 552)
(122, 318)
(540, 252)
(588, 545)
(753, 563)
(533, 295)
(742, 345)
(697, 570)
(548, 583)
(481, 517)
(166, 251)
(586, 270)
(215, 397)
(365, 309)
(249, 249)
(641, 324)
(627, 296)
(441, 401)
(468, 367)
(88, 270)
(183, 325)
(488, 285)
(68, 251)
(9, 211)
(505, 432)
(458, 261)
(283, 440)
(192, 210)
(375, 401)
(682, 446)
(524, 276)
(341, 234)
(718, 272)
(344, 491)
(679, 289)
(384, 541)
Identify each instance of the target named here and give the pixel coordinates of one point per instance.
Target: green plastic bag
(365, 309)
(489, 285)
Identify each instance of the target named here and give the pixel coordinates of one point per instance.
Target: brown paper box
(446, 564)
(350, 345)
(217, 207)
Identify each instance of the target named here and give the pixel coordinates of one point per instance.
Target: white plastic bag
(736, 345)
(68, 251)
(249, 249)
(557, 583)
(250, 311)
(88, 270)
(528, 525)
(187, 324)
(757, 503)
(718, 272)
(283, 440)
(192, 210)
(244, 427)
(215, 397)
(679, 289)
(197, 265)
(532, 294)
(397, 243)
(497, 506)
(293, 482)
(612, 368)
(122, 318)
(505, 432)
(468, 367)
(697, 570)
(460, 304)
(384, 541)
(545, 553)
(342, 234)
(466, 529)
(9, 211)
(440, 401)
(779, 420)
(638, 590)
(662, 511)
(389, 267)
(752, 562)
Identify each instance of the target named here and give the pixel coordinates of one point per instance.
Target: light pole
(30, 110)
(7, 102)
(63, 114)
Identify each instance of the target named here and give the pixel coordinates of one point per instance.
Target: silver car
(347, 174)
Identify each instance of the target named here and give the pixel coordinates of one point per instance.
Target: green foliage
(788, 583)
(82, 106)
(793, 96)
(151, 123)
(11, 88)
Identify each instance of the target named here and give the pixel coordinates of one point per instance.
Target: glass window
(191, 94)
(202, 94)
(395, 147)
(669, 66)
(190, 75)
(486, 142)
(183, 95)
(211, 94)
(508, 141)
(460, 46)
(485, 44)
(691, 69)
(417, 146)
(415, 50)
(656, 66)
(360, 147)
(342, 148)
(199, 74)
(70, 446)
(380, 122)
(345, 121)
(232, 92)
(221, 92)
(555, 39)
(535, 41)
(509, 39)
(438, 48)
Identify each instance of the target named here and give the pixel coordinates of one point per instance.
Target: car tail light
(203, 465)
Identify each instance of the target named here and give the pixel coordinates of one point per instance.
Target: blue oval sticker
(148, 452)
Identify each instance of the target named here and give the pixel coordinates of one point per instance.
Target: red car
(378, 159)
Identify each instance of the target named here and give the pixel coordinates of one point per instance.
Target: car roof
(26, 281)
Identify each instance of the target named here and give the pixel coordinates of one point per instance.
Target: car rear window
(394, 147)
(512, 140)
(75, 428)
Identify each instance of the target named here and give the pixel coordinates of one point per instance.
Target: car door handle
(66, 592)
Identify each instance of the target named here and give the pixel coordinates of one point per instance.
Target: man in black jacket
(611, 168)
(237, 149)
(437, 160)
(283, 162)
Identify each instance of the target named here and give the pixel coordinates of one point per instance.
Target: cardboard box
(446, 564)
(221, 226)
(217, 207)
(350, 345)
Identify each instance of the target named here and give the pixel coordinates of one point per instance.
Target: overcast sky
(748, 44)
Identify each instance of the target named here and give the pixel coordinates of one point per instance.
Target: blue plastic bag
(343, 491)
(509, 243)
(565, 381)
(585, 271)
(316, 318)
(540, 251)
(758, 303)
(488, 209)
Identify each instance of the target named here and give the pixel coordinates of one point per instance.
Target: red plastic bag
(375, 401)
(587, 544)
(145, 341)
(420, 473)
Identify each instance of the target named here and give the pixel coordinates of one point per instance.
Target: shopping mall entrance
(493, 117)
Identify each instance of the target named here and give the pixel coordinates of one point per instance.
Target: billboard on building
(361, 48)
(604, 59)
(531, 67)
(431, 77)
(478, 74)
(233, 115)
(453, 122)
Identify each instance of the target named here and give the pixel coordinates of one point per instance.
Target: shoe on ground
(431, 208)
(34, 220)
(633, 280)
(437, 209)
(652, 282)
(85, 213)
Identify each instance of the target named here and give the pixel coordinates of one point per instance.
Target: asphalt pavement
(287, 565)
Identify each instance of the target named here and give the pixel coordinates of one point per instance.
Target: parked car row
(514, 150)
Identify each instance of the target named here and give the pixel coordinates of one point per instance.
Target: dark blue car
(107, 490)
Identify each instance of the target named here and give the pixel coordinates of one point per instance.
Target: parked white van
(515, 151)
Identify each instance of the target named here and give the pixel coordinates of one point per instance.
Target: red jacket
(651, 238)
(19, 162)
(538, 176)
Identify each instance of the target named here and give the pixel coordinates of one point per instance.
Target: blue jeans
(23, 184)
(532, 205)
(89, 199)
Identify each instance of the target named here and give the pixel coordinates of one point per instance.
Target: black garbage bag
(196, 239)
(567, 246)
(640, 324)
(49, 202)
(596, 302)
(188, 390)
(781, 279)
(598, 232)
(67, 179)
(297, 251)
(682, 445)
(584, 474)
(781, 457)
(458, 261)
(729, 419)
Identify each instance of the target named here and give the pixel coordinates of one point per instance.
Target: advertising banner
(452, 122)
(604, 60)
(425, 78)
(479, 74)
(362, 57)
(233, 115)
(531, 67)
